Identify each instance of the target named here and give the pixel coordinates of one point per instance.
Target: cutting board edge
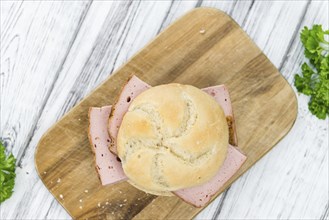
(50, 129)
(44, 183)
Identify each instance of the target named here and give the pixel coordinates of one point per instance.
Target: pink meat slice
(222, 96)
(108, 166)
(131, 90)
(200, 195)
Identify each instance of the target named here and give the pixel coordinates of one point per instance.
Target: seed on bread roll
(172, 137)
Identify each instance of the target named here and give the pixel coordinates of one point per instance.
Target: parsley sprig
(7, 174)
(314, 80)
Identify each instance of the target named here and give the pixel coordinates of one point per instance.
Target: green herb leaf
(314, 80)
(7, 174)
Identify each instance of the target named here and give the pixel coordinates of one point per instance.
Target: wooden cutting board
(203, 48)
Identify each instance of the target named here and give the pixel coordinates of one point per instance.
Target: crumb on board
(58, 180)
(80, 207)
(80, 200)
(86, 191)
(125, 200)
(202, 31)
(44, 172)
(99, 204)
(61, 196)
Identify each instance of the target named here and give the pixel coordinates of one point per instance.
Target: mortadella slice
(131, 90)
(198, 196)
(221, 95)
(108, 166)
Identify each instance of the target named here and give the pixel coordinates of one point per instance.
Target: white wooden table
(54, 53)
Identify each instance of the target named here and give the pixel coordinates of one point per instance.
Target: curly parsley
(7, 174)
(314, 80)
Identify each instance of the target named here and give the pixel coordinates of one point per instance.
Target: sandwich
(167, 140)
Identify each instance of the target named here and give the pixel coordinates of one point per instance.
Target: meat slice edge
(199, 196)
(108, 167)
(131, 90)
(222, 96)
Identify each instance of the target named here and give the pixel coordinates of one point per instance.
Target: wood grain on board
(205, 47)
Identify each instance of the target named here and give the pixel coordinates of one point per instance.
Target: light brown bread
(172, 137)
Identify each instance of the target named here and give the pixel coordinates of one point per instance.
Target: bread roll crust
(172, 137)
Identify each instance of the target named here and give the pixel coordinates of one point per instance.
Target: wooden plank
(34, 45)
(7, 9)
(185, 40)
